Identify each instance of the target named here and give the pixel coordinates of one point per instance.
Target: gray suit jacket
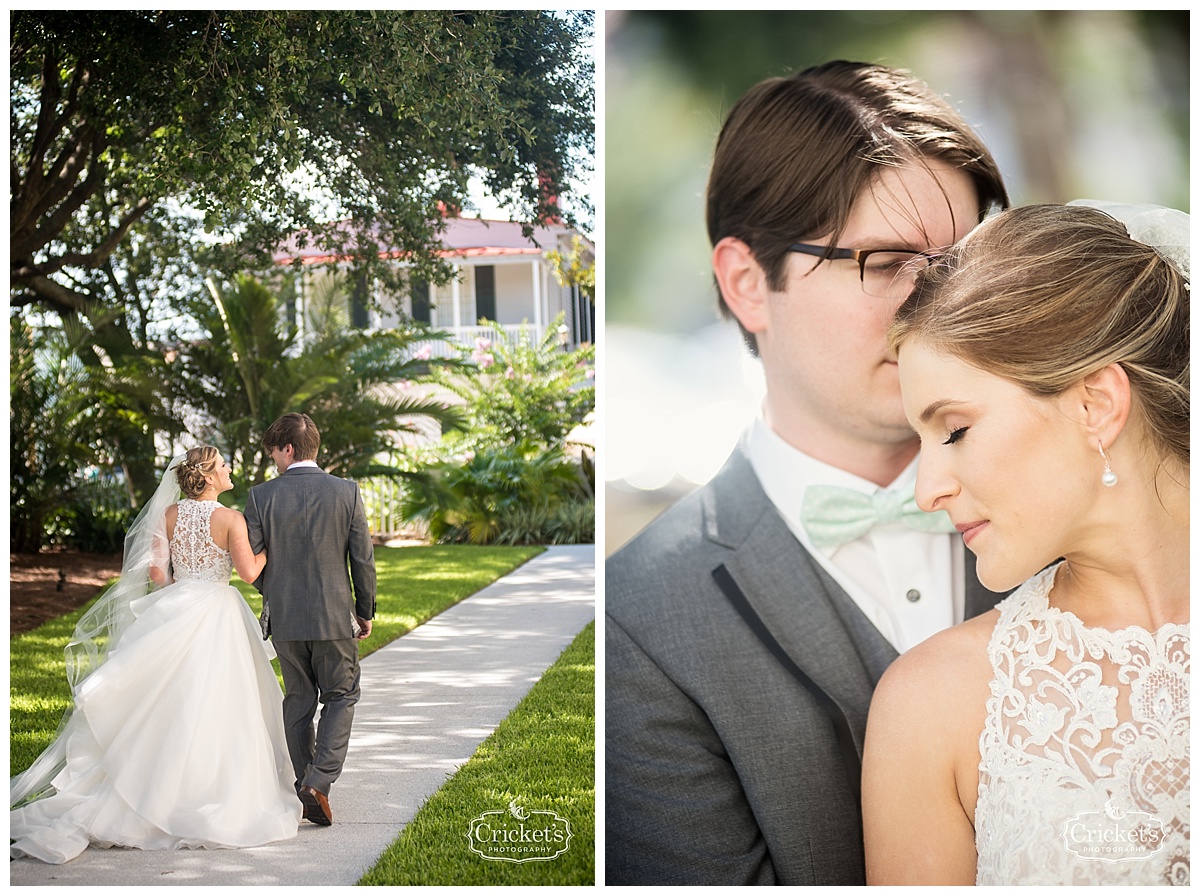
(314, 528)
(720, 767)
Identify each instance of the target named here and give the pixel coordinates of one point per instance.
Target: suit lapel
(796, 601)
(793, 603)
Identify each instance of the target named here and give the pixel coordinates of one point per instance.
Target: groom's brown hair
(296, 430)
(795, 154)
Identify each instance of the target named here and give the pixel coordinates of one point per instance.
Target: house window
(360, 316)
(485, 292)
(419, 290)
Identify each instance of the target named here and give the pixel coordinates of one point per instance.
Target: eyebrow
(935, 407)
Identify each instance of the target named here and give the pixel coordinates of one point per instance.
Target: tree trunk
(27, 531)
(138, 462)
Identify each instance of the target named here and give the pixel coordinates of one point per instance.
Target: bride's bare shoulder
(921, 759)
(947, 668)
(228, 519)
(955, 644)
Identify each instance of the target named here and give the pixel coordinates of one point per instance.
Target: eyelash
(955, 435)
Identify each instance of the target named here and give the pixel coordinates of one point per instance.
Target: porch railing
(381, 499)
(466, 336)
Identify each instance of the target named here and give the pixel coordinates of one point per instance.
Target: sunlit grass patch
(541, 759)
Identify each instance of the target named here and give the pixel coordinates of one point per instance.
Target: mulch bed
(37, 591)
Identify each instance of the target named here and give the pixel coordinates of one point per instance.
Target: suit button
(913, 595)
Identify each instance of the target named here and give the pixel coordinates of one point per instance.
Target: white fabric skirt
(177, 741)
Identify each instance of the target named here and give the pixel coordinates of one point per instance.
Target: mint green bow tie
(833, 516)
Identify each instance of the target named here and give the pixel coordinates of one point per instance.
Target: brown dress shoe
(316, 806)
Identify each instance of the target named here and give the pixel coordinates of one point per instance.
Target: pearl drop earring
(1108, 477)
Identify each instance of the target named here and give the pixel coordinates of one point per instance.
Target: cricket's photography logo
(1114, 835)
(517, 834)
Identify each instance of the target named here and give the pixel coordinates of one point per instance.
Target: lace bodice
(1084, 774)
(193, 553)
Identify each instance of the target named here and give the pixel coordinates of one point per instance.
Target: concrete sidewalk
(428, 700)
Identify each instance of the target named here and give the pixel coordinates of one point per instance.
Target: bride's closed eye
(955, 435)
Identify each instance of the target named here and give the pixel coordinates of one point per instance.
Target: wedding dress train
(177, 740)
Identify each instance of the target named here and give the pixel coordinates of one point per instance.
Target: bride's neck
(1136, 570)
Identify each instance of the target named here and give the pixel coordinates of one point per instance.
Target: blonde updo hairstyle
(197, 464)
(1045, 295)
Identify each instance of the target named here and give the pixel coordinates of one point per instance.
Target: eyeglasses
(884, 273)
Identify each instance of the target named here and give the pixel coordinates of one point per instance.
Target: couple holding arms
(178, 734)
(930, 622)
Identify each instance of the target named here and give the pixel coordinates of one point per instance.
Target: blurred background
(1072, 104)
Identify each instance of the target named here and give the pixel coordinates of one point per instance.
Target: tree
(251, 368)
(273, 122)
(120, 342)
(576, 267)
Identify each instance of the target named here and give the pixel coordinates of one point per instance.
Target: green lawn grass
(414, 584)
(541, 758)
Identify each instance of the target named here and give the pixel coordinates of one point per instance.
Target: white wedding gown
(176, 741)
(1085, 771)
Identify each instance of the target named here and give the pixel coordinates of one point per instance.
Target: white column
(455, 296)
(538, 317)
(301, 291)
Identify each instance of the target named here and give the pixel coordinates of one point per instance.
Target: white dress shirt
(301, 463)
(908, 583)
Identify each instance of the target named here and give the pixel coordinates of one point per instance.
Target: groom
(319, 589)
(743, 636)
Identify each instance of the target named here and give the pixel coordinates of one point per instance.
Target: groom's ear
(742, 282)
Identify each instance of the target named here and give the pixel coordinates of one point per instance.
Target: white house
(503, 276)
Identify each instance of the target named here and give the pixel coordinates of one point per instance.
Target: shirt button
(913, 595)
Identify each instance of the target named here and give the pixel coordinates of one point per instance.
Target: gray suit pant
(326, 672)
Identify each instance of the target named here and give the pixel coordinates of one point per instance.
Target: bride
(175, 738)
(1044, 362)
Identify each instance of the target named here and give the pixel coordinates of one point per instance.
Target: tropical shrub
(522, 390)
(47, 421)
(69, 418)
(507, 476)
(571, 522)
(95, 520)
(478, 497)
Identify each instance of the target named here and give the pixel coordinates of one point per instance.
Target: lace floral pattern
(1084, 774)
(193, 553)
